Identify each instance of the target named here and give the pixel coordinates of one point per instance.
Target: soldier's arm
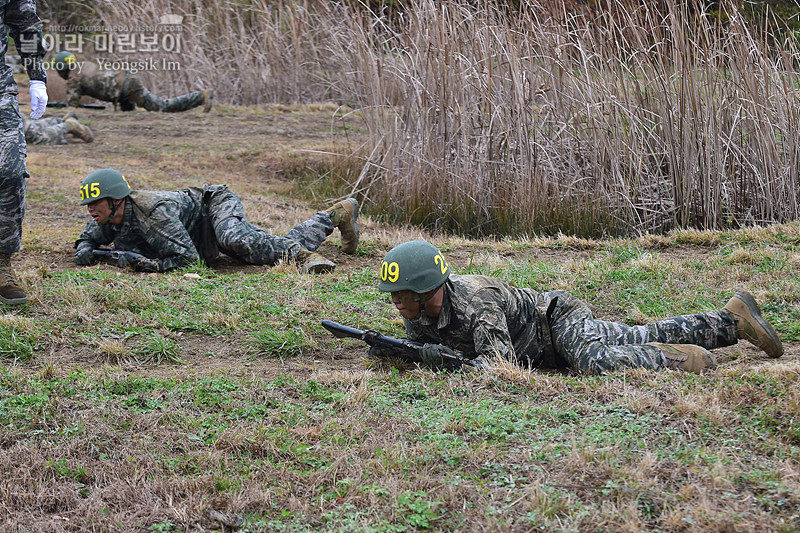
(26, 30)
(73, 92)
(94, 236)
(490, 331)
(166, 233)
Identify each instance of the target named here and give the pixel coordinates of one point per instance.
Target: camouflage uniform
(124, 88)
(483, 317)
(49, 130)
(178, 228)
(19, 16)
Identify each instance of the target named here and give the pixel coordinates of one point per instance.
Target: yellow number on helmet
(439, 260)
(390, 271)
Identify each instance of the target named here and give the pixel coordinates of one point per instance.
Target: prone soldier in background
(483, 318)
(122, 87)
(54, 130)
(171, 229)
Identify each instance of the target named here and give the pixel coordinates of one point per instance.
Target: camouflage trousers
(595, 346)
(12, 174)
(49, 130)
(134, 93)
(238, 238)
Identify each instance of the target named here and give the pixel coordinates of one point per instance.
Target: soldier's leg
(184, 102)
(311, 233)
(49, 130)
(139, 95)
(135, 93)
(241, 239)
(12, 196)
(12, 175)
(594, 346)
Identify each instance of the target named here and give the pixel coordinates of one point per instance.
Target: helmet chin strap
(423, 299)
(114, 208)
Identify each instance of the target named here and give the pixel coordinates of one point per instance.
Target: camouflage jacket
(91, 80)
(171, 227)
(483, 318)
(25, 29)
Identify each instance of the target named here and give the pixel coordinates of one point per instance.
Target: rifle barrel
(341, 331)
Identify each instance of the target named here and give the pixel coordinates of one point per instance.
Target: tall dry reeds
(631, 121)
(485, 121)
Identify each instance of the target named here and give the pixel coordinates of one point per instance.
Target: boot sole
(753, 309)
(14, 301)
(319, 267)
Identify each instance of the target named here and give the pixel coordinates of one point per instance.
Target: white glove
(38, 98)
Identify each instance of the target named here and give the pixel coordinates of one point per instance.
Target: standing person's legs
(12, 196)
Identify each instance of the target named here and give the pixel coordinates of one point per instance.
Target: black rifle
(404, 348)
(60, 105)
(138, 261)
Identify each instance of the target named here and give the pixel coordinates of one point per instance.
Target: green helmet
(417, 266)
(105, 183)
(64, 61)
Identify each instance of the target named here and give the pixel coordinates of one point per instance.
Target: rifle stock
(406, 349)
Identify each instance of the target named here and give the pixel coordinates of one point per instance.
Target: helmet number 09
(390, 271)
(90, 190)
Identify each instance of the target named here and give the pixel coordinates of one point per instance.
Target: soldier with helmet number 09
(172, 229)
(483, 318)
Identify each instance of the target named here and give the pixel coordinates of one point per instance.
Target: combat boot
(314, 263)
(343, 216)
(10, 291)
(208, 97)
(79, 130)
(686, 357)
(751, 326)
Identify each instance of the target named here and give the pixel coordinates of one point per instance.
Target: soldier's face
(99, 209)
(407, 302)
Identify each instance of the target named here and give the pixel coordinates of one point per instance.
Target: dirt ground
(249, 149)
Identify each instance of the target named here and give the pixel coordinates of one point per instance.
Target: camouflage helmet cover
(105, 183)
(417, 266)
(64, 61)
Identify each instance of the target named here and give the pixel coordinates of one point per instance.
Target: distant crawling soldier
(175, 229)
(122, 87)
(484, 318)
(53, 130)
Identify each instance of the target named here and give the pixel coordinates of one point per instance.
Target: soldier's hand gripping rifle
(404, 349)
(131, 259)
